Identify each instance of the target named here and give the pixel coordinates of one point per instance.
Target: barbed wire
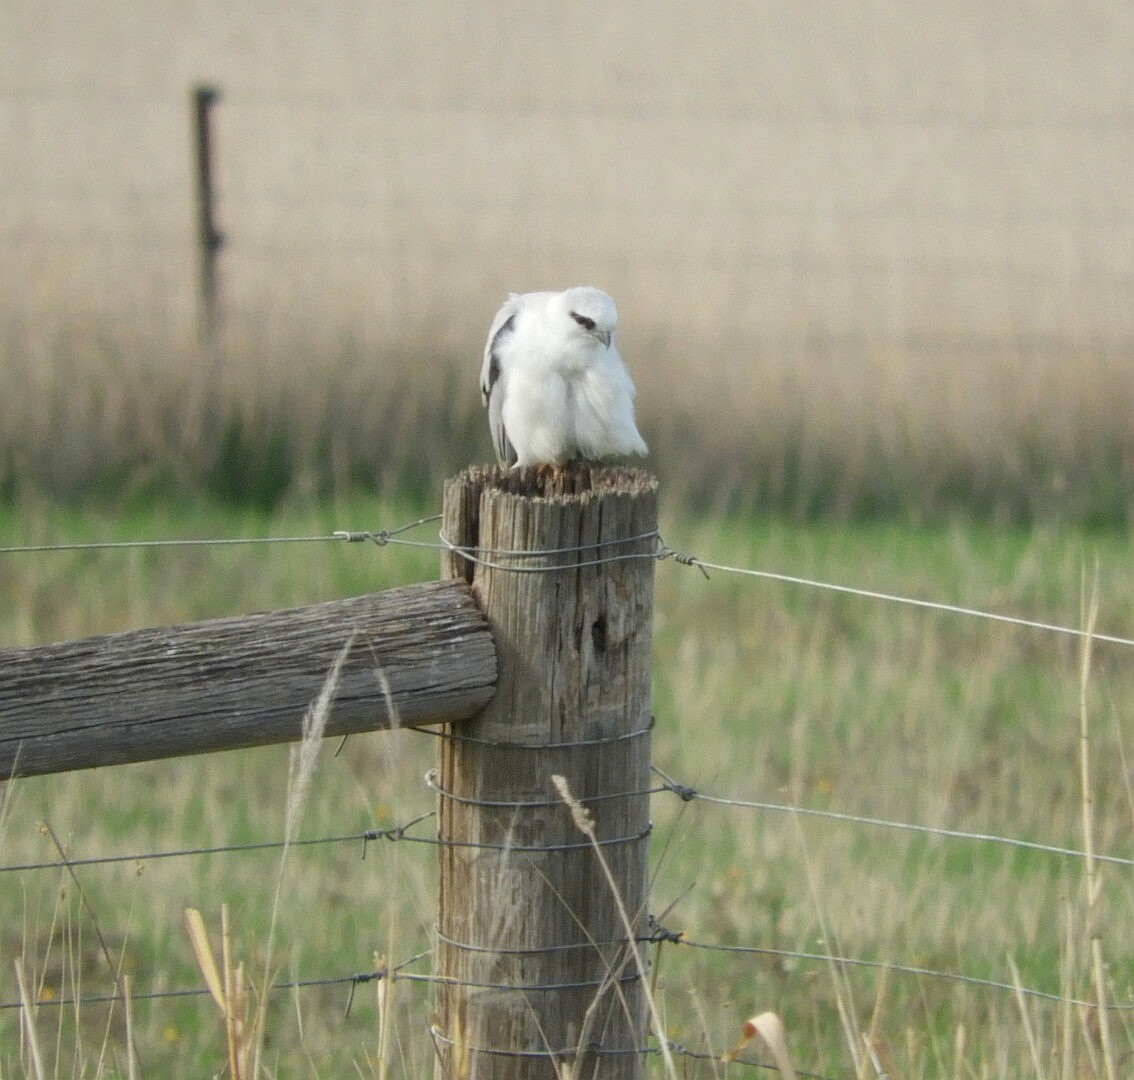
(689, 794)
(893, 598)
(380, 537)
(175, 853)
(512, 560)
(679, 938)
(397, 973)
(398, 833)
(684, 792)
(368, 836)
(657, 934)
(353, 981)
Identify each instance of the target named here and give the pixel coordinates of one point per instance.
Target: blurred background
(870, 258)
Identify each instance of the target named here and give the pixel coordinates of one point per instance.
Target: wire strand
(689, 794)
(902, 969)
(684, 792)
(398, 832)
(353, 981)
(892, 598)
(662, 551)
(380, 537)
(123, 545)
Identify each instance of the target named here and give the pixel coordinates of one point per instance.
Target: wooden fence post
(538, 975)
(209, 237)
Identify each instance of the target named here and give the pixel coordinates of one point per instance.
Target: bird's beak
(604, 337)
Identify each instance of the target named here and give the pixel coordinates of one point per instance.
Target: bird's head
(591, 311)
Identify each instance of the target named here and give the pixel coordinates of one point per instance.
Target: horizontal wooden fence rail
(419, 655)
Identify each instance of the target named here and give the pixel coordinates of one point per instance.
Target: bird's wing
(494, 377)
(501, 328)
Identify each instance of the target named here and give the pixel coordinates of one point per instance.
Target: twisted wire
(529, 849)
(476, 556)
(544, 950)
(505, 744)
(530, 988)
(432, 781)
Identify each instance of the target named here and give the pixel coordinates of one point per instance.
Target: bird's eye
(583, 321)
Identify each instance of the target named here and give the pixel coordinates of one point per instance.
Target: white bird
(553, 381)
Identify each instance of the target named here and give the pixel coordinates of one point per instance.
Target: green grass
(764, 691)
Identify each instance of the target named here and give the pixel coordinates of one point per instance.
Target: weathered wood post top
(538, 972)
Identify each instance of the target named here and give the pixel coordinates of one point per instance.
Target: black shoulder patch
(503, 332)
(494, 359)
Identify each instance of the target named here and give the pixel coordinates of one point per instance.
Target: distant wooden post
(209, 237)
(534, 958)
